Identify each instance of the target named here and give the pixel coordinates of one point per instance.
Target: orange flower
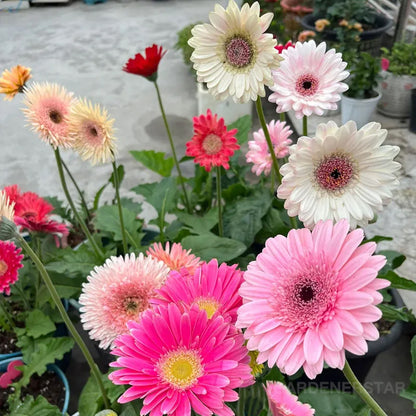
(358, 26)
(14, 80)
(306, 35)
(320, 24)
(343, 22)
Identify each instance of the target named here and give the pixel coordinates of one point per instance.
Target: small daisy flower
(10, 263)
(179, 361)
(311, 296)
(339, 173)
(146, 65)
(282, 402)
(258, 152)
(232, 54)
(309, 79)
(212, 145)
(47, 110)
(117, 292)
(175, 256)
(92, 132)
(13, 81)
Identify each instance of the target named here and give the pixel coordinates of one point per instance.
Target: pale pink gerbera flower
(283, 403)
(309, 297)
(212, 288)
(47, 110)
(175, 256)
(181, 360)
(10, 263)
(259, 154)
(309, 79)
(117, 292)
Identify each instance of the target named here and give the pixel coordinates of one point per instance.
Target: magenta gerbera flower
(309, 297)
(212, 288)
(10, 263)
(117, 292)
(283, 403)
(177, 361)
(258, 152)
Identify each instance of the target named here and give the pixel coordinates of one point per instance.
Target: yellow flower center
(3, 267)
(212, 144)
(210, 306)
(133, 305)
(180, 368)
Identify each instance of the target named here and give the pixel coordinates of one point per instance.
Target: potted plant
(397, 79)
(360, 100)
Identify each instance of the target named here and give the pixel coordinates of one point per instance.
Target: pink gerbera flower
(118, 292)
(259, 154)
(175, 257)
(309, 297)
(212, 288)
(47, 110)
(177, 361)
(10, 263)
(212, 145)
(283, 403)
(309, 79)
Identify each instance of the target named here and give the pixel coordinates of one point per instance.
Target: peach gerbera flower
(47, 110)
(92, 131)
(13, 81)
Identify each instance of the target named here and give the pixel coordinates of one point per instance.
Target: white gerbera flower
(309, 79)
(233, 55)
(339, 173)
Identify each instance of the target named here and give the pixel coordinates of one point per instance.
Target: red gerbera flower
(212, 145)
(280, 48)
(10, 263)
(147, 65)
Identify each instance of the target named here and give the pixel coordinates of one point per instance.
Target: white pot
(227, 109)
(358, 110)
(396, 92)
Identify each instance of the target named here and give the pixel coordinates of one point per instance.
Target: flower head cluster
(14, 80)
(10, 263)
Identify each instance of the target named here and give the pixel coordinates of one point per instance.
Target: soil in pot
(49, 385)
(8, 342)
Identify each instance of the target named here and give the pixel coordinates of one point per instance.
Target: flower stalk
(219, 202)
(305, 125)
(120, 208)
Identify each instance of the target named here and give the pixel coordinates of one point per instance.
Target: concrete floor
(84, 48)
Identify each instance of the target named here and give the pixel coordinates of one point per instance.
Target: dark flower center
(238, 52)
(306, 294)
(133, 305)
(334, 172)
(94, 131)
(307, 84)
(55, 116)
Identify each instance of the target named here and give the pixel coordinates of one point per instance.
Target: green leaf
(334, 403)
(199, 225)
(88, 403)
(397, 281)
(39, 407)
(275, 375)
(243, 125)
(378, 238)
(235, 191)
(58, 206)
(209, 246)
(38, 324)
(394, 260)
(410, 392)
(243, 217)
(273, 225)
(98, 196)
(155, 161)
(392, 313)
(120, 175)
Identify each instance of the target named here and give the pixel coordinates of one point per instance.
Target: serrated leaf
(392, 313)
(155, 161)
(275, 375)
(120, 176)
(398, 282)
(243, 125)
(199, 225)
(88, 403)
(39, 407)
(394, 260)
(209, 246)
(378, 238)
(38, 324)
(272, 225)
(410, 392)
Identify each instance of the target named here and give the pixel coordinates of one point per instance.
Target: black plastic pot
(412, 125)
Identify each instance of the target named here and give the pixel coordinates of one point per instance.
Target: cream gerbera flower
(47, 110)
(339, 173)
(233, 55)
(92, 131)
(6, 207)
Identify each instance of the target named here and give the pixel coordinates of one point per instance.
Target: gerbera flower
(47, 110)
(117, 292)
(309, 297)
(339, 173)
(281, 47)
(92, 131)
(309, 79)
(13, 81)
(282, 402)
(147, 65)
(212, 145)
(10, 263)
(258, 152)
(177, 361)
(233, 55)
(212, 288)
(175, 257)
(6, 206)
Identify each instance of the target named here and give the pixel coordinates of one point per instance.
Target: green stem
(260, 113)
(293, 222)
(219, 202)
(209, 188)
(282, 117)
(55, 297)
(362, 392)
(38, 277)
(7, 314)
(305, 126)
(185, 195)
(97, 250)
(120, 208)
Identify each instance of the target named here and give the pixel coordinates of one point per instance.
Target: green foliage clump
(402, 58)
